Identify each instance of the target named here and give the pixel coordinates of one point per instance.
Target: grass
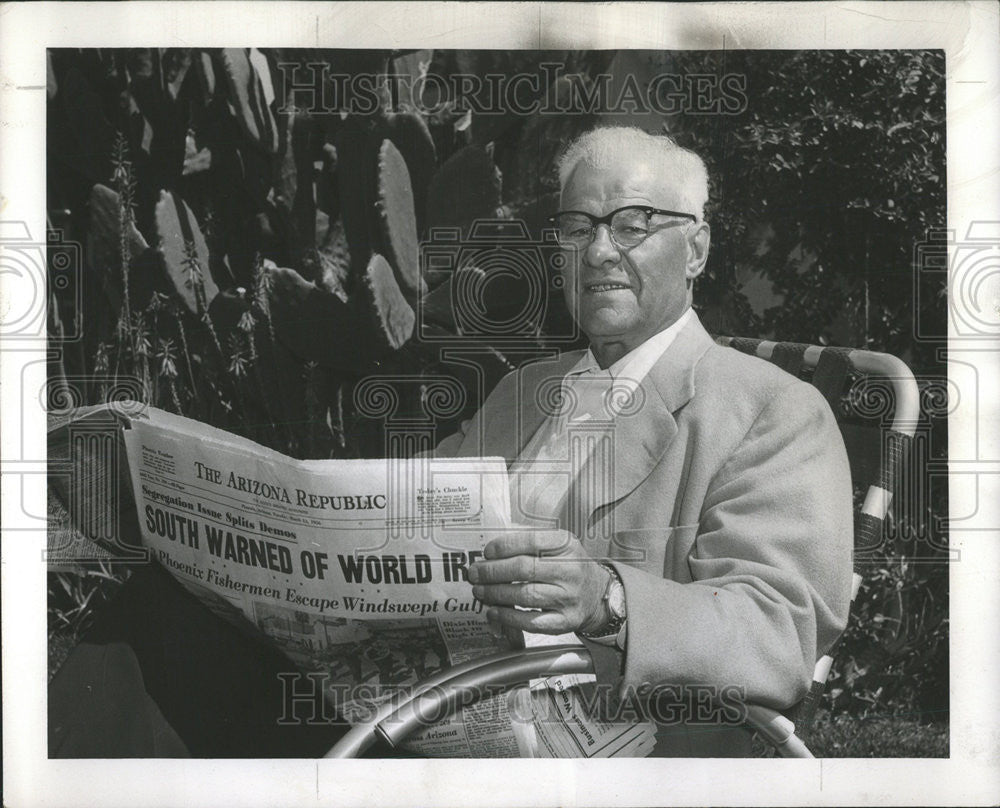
(878, 737)
(73, 598)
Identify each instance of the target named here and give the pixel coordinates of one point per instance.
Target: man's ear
(699, 239)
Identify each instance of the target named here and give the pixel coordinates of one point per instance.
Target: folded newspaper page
(356, 569)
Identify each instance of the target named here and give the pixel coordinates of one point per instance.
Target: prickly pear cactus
(409, 133)
(310, 223)
(248, 79)
(357, 158)
(397, 220)
(393, 315)
(465, 188)
(185, 253)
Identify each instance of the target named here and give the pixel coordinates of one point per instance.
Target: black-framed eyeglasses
(629, 226)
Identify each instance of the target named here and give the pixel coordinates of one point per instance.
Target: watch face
(616, 600)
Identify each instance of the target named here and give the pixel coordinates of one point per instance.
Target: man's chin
(601, 332)
(606, 324)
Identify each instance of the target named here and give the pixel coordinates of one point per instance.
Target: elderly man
(687, 508)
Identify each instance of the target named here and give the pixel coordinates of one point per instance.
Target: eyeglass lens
(629, 227)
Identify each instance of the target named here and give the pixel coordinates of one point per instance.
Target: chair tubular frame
(449, 689)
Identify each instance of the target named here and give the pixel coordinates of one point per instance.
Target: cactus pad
(397, 219)
(394, 316)
(357, 151)
(465, 188)
(184, 252)
(317, 326)
(409, 133)
(103, 243)
(437, 307)
(246, 77)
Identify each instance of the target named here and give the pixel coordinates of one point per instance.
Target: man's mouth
(606, 286)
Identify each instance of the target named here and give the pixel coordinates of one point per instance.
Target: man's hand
(546, 571)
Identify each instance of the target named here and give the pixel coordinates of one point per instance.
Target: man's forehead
(623, 179)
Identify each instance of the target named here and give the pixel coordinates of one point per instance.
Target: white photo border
(967, 32)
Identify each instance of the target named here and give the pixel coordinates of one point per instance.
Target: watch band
(614, 632)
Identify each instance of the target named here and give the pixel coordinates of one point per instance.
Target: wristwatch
(612, 632)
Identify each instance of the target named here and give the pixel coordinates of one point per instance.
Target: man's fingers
(528, 595)
(518, 568)
(502, 571)
(536, 622)
(529, 542)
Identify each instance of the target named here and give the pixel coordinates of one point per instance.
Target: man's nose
(601, 248)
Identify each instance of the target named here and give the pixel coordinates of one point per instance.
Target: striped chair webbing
(789, 356)
(830, 374)
(832, 369)
(745, 345)
(869, 523)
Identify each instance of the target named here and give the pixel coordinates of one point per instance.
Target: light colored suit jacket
(725, 506)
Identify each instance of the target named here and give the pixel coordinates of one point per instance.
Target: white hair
(601, 147)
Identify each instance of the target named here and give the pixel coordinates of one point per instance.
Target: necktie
(543, 475)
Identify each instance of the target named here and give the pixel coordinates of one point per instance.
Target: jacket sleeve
(771, 565)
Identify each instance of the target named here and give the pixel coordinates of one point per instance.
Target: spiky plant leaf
(335, 259)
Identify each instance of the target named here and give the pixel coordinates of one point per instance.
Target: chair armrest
(448, 690)
(777, 730)
(462, 684)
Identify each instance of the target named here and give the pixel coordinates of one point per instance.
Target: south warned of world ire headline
(224, 535)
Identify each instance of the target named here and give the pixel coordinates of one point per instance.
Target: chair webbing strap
(788, 356)
(867, 532)
(745, 345)
(806, 711)
(831, 371)
(895, 446)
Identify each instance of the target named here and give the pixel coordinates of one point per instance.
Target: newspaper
(355, 569)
